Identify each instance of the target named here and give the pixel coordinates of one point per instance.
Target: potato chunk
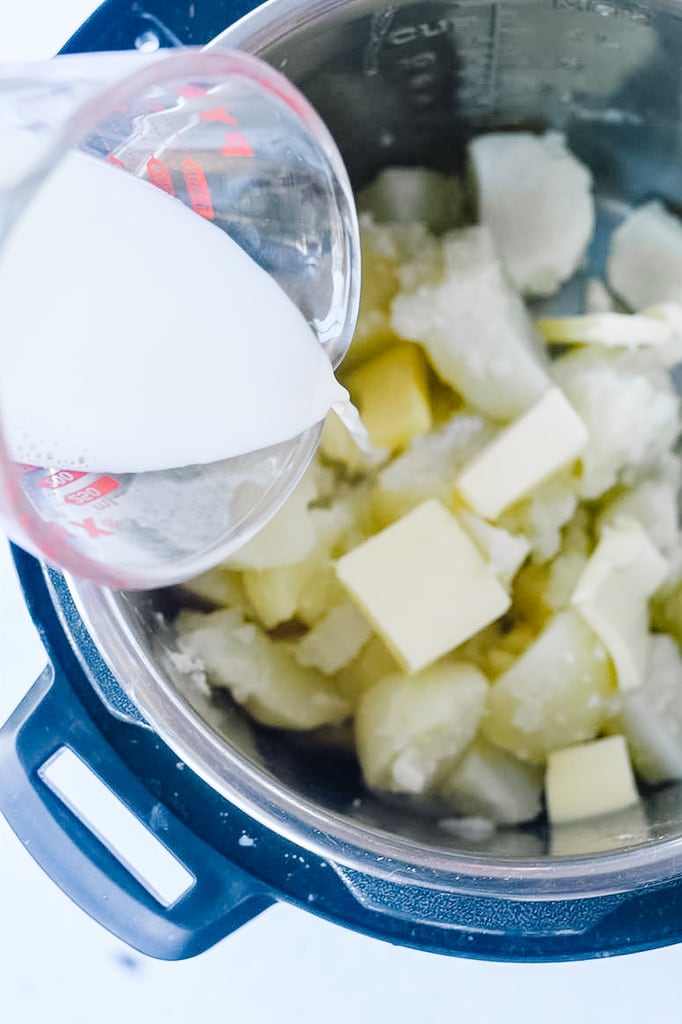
(260, 673)
(651, 716)
(408, 195)
(475, 329)
(335, 640)
(555, 694)
(409, 729)
(612, 596)
(490, 783)
(630, 409)
(645, 257)
(536, 198)
(429, 467)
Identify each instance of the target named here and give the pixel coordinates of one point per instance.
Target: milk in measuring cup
(139, 337)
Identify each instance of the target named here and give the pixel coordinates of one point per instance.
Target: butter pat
(542, 441)
(589, 779)
(423, 584)
(612, 594)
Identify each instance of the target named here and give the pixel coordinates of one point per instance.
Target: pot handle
(178, 897)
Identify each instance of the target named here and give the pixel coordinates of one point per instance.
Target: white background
(56, 965)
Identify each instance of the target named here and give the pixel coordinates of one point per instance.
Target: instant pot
(254, 816)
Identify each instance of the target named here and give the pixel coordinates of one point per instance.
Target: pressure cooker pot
(242, 815)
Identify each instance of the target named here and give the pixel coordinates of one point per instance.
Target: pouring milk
(142, 338)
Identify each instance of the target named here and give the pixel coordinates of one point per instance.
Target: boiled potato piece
(556, 693)
(409, 729)
(561, 575)
(504, 551)
(392, 394)
(666, 609)
(541, 517)
(612, 595)
(406, 195)
(261, 674)
(384, 249)
(654, 503)
(476, 332)
(598, 299)
(305, 591)
(372, 663)
(490, 783)
(219, 586)
(495, 648)
(536, 199)
(288, 537)
(645, 257)
(337, 445)
(630, 409)
(651, 716)
(335, 640)
(429, 467)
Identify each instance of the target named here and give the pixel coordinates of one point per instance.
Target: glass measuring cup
(232, 140)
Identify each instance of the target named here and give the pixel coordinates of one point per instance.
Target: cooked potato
(490, 783)
(555, 694)
(261, 674)
(409, 729)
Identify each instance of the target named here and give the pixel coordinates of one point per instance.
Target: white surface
(57, 966)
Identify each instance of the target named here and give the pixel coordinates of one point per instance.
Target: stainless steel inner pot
(408, 83)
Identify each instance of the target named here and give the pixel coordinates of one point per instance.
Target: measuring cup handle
(220, 896)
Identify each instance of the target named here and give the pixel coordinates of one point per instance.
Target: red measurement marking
(159, 175)
(98, 489)
(197, 187)
(26, 467)
(192, 92)
(91, 528)
(236, 144)
(60, 479)
(115, 161)
(157, 107)
(220, 114)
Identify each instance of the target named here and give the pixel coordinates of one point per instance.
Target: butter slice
(612, 592)
(589, 779)
(542, 441)
(423, 584)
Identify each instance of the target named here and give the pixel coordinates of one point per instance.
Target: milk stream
(139, 337)
(153, 377)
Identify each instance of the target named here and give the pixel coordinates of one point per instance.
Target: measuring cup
(237, 144)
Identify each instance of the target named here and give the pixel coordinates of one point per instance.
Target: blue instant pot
(256, 816)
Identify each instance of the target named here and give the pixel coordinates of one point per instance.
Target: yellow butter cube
(612, 595)
(423, 584)
(535, 446)
(589, 779)
(392, 394)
